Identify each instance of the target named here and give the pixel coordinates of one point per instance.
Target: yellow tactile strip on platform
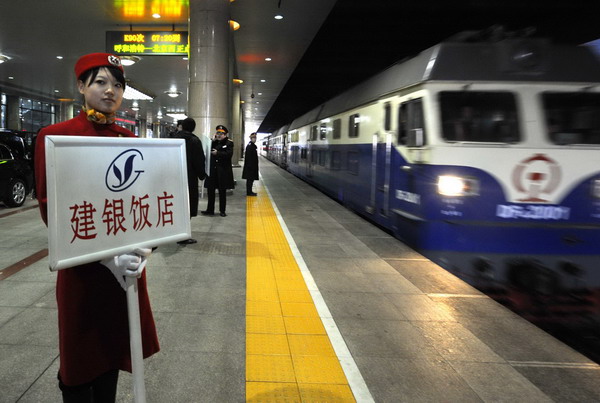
(289, 357)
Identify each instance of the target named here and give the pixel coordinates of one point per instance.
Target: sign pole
(135, 340)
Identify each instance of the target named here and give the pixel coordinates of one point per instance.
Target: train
(483, 154)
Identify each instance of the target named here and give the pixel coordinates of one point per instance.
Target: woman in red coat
(92, 305)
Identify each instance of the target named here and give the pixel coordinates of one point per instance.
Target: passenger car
(16, 175)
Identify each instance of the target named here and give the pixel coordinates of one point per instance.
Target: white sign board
(109, 195)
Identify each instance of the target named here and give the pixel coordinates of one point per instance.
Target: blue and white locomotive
(483, 155)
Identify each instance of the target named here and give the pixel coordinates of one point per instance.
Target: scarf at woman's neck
(99, 117)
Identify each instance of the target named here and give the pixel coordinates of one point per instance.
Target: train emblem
(535, 176)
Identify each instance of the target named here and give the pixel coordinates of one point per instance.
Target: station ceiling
(34, 32)
(319, 48)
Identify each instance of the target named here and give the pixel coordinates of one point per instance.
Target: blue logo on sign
(120, 174)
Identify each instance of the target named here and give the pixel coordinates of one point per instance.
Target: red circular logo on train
(536, 176)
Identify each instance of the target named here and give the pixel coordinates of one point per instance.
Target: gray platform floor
(416, 332)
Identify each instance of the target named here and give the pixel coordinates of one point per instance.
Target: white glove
(144, 252)
(129, 264)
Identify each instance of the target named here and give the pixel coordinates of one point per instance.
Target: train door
(312, 154)
(284, 154)
(381, 165)
(411, 138)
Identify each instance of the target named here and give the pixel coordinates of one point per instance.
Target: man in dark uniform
(250, 171)
(221, 172)
(195, 161)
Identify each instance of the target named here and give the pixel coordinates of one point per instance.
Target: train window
(479, 116)
(411, 125)
(353, 162)
(353, 125)
(387, 124)
(402, 124)
(336, 160)
(314, 156)
(323, 132)
(337, 128)
(294, 154)
(572, 117)
(303, 153)
(323, 157)
(313, 132)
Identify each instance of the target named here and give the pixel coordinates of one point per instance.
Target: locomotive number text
(533, 212)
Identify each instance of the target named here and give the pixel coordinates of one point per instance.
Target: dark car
(21, 143)
(16, 176)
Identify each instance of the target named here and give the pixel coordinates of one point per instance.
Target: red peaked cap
(97, 60)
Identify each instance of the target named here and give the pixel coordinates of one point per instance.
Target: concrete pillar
(65, 111)
(158, 131)
(238, 138)
(149, 126)
(13, 113)
(208, 97)
(142, 133)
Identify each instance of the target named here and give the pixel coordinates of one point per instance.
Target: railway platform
(293, 298)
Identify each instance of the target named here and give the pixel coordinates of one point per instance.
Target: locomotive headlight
(449, 185)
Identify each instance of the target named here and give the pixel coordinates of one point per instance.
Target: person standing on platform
(92, 304)
(250, 171)
(221, 172)
(195, 161)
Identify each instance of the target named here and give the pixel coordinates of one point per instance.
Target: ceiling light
(4, 59)
(260, 93)
(59, 57)
(56, 90)
(268, 59)
(11, 78)
(156, 15)
(238, 81)
(177, 115)
(279, 17)
(234, 25)
(173, 93)
(133, 93)
(263, 81)
(129, 60)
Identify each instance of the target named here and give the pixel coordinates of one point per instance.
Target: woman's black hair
(93, 72)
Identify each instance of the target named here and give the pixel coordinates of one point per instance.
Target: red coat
(92, 306)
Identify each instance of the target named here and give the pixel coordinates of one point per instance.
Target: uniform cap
(253, 135)
(221, 128)
(97, 60)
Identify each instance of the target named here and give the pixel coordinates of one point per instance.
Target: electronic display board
(147, 42)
